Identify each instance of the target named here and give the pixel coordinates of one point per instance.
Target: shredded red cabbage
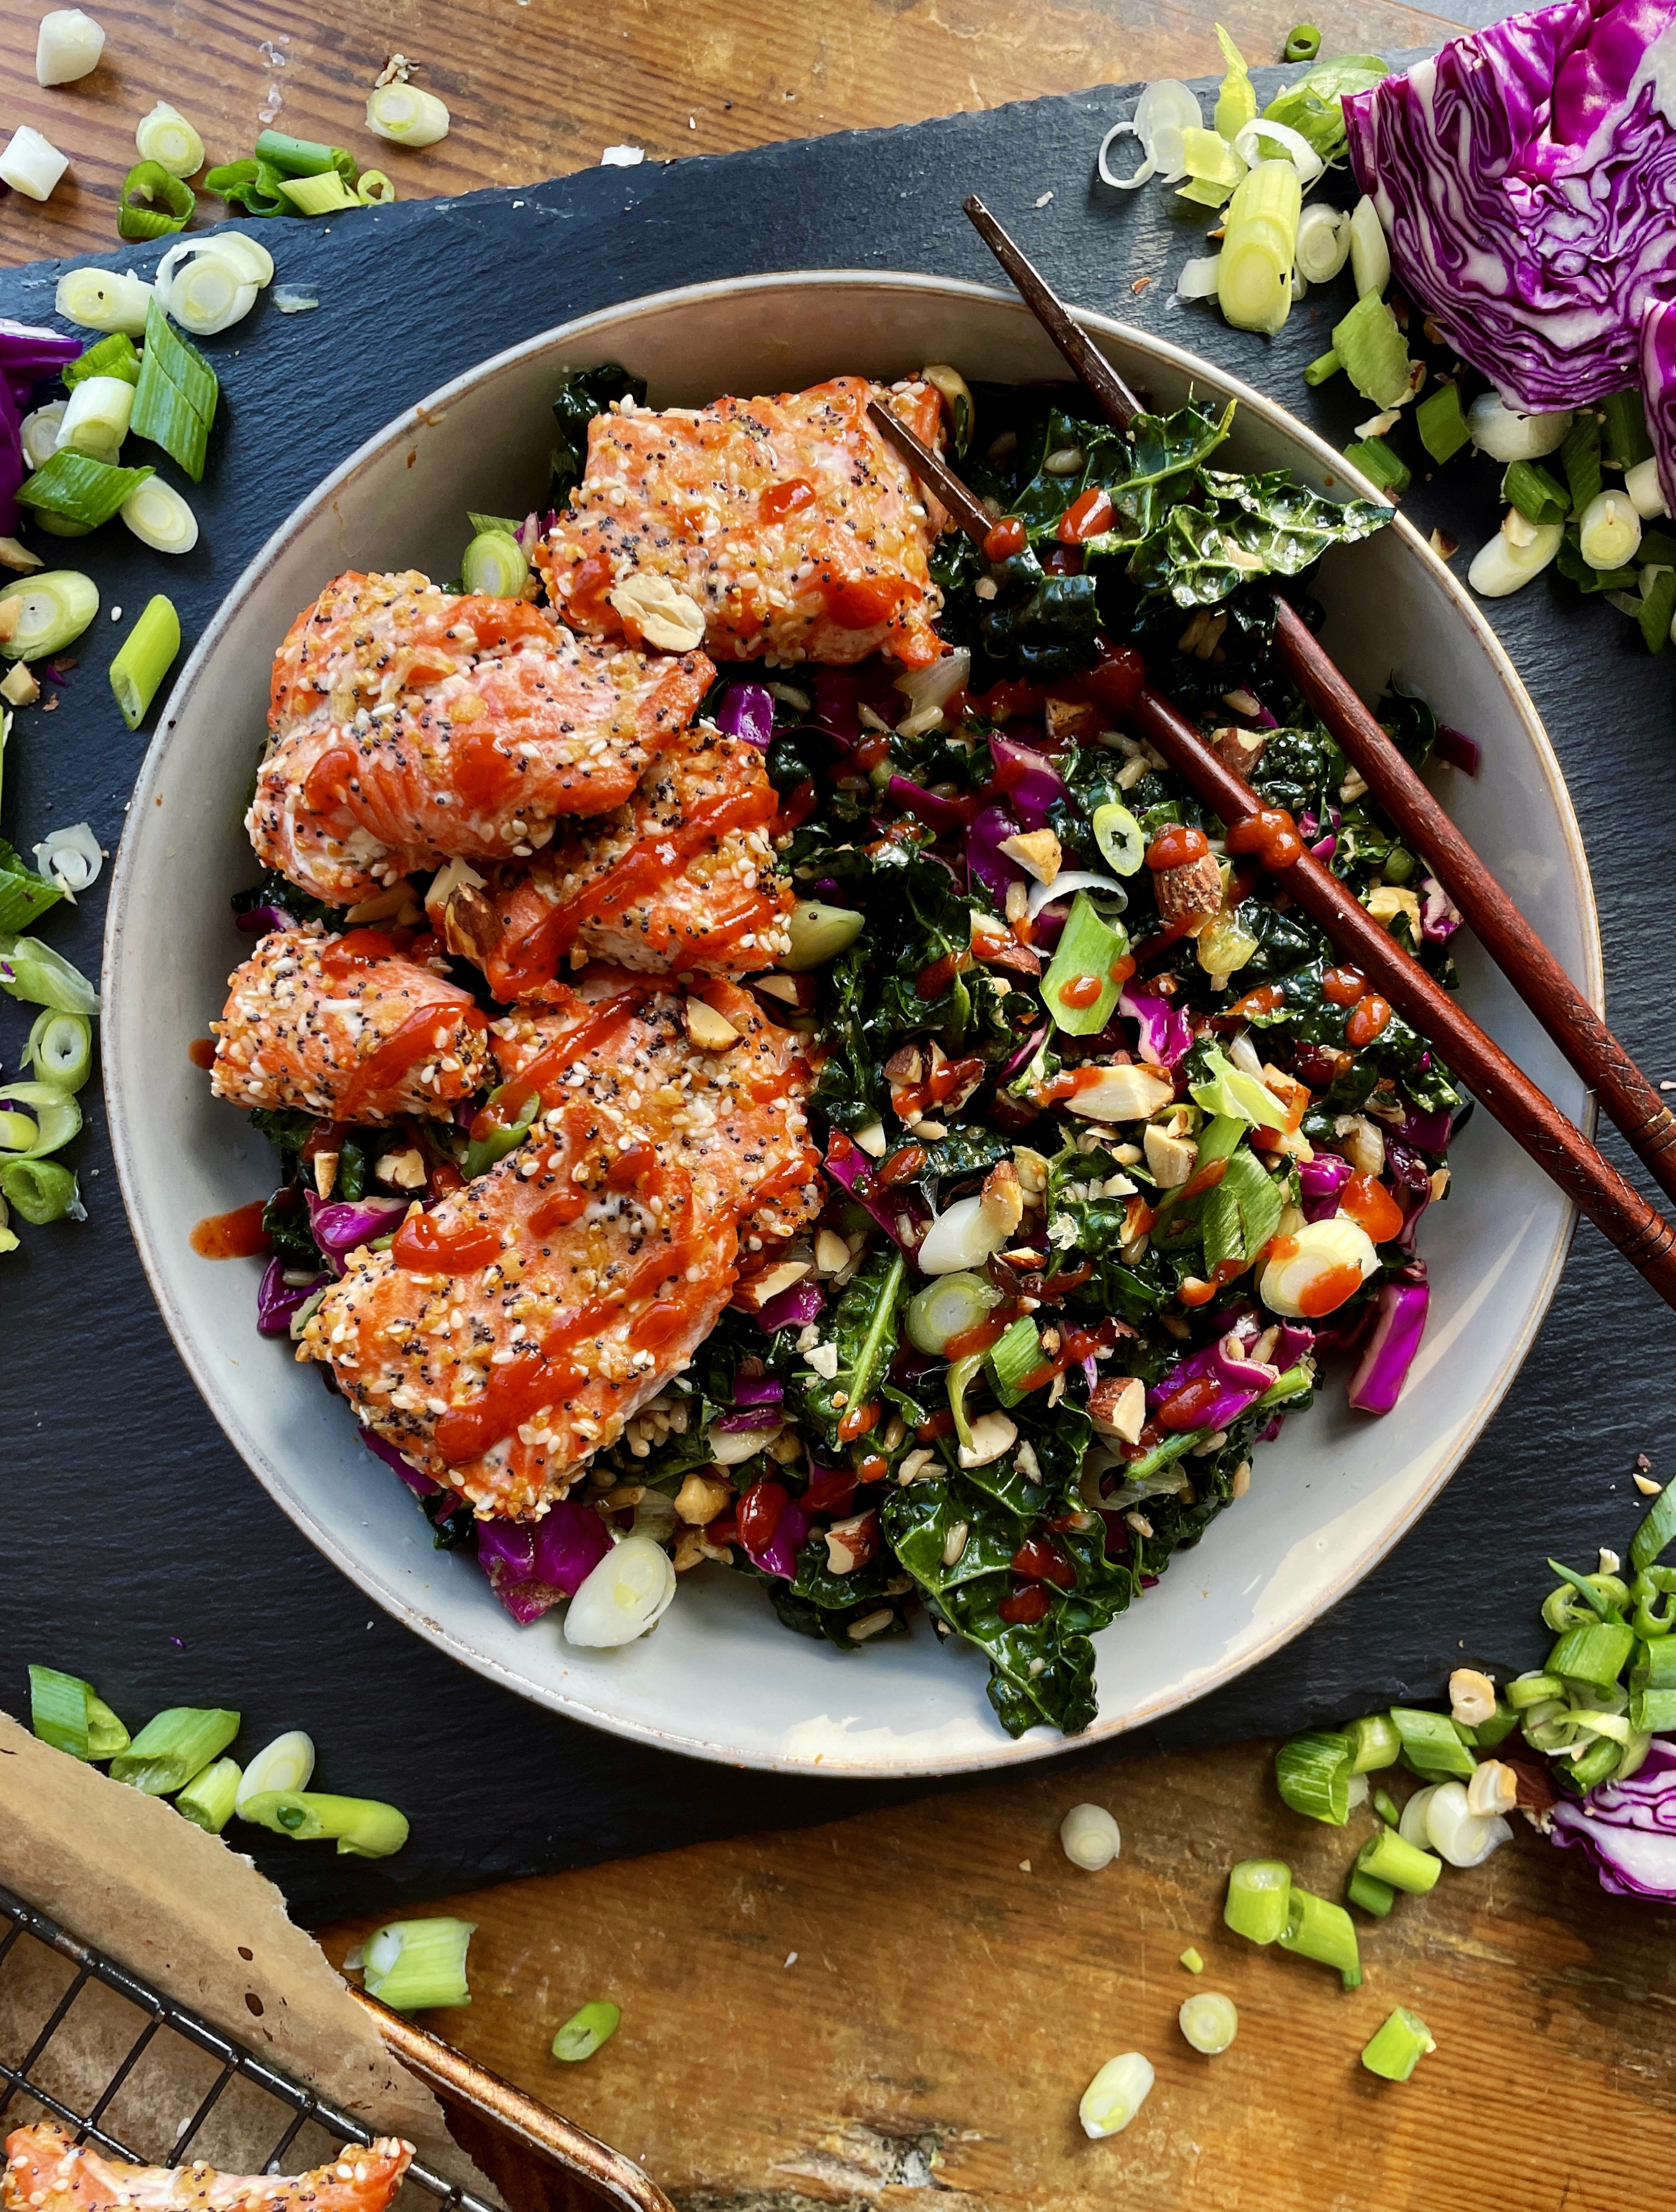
(532, 1565)
(339, 1226)
(1439, 917)
(758, 1390)
(1628, 1828)
(747, 712)
(986, 863)
(277, 1300)
(792, 1308)
(1458, 748)
(1242, 1381)
(1401, 1319)
(259, 921)
(901, 1213)
(1031, 780)
(1165, 1032)
(1320, 1181)
(943, 815)
(420, 1485)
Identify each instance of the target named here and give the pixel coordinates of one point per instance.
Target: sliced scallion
(1386, 1806)
(1608, 530)
(1580, 457)
(100, 299)
(1304, 43)
(1192, 1960)
(39, 429)
(95, 421)
(159, 517)
(23, 894)
(1653, 1537)
(586, 2030)
(173, 1747)
(1442, 425)
(166, 137)
(1389, 470)
(81, 490)
(70, 858)
(1013, 1356)
(947, 1307)
(41, 1190)
(70, 1714)
(406, 116)
(286, 1763)
(1257, 1893)
(1323, 243)
(1370, 255)
(1318, 1930)
(1402, 1865)
(175, 401)
(327, 194)
(1526, 1690)
(1430, 1742)
(494, 563)
(1312, 1773)
(362, 1827)
(1259, 246)
(1324, 366)
(253, 185)
(1374, 1742)
(1115, 2094)
(373, 188)
(153, 203)
(1536, 492)
(145, 659)
(1370, 1893)
(304, 157)
(207, 1799)
(31, 164)
(411, 1964)
(1397, 2047)
(210, 293)
(1121, 839)
(36, 973)
(114, 355)
(1373, 352)
(1208, 2021)
(56, 1116)
(1079, 989)
(1597, 1653)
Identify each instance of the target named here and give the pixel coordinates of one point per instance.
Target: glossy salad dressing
(236, 1235)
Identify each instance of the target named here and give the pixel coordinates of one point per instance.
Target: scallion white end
(32, 164)
(68, 45)
(1115, 2094)
(406, 116)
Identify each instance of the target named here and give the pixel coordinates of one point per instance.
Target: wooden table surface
(914, 2000)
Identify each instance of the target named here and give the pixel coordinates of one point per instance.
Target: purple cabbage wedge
(1377, 1382)
(747, 712)
(532, 1565)
(1628, 1828)
(1242, 1382)
(1165, 1030)
(1526, 179)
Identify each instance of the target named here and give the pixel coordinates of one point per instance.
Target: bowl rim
(250, 1446)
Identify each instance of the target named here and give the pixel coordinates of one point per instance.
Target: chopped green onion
(1579, 456)
(1236, 101)
(363, 1827)
(57, 1116)
(210, 291)
(166, 137)
(160, 517)
(1526, 1690)
(1229, 1093)
(411, 1964)
(820, 933)
(406, 116)
(1370, 1893)
(1208, 2021)
(1090, 1838)
(1597, 1654)
(963, 1373)
(1115, 2094)
(1312, 1773)
(153, 203)
(1655, 1532)
(99, 299)
(1374, 1742)
(1213, 167)
(39, 431)
(18, 1133)
(1624, 428)
(1389, 470)
(494, 563)
(1121, 839)
(95, 421)
(1373, 352)
(1658, 605)
(1014, 1356)
(1653, 1688)
(256, 186)
(375, 189)
(145, 659)
(1090, 948)
(1386, 1806)
(1258, 1890)
(1609, 531)
(586, 2030)
(323, 195)
(1598, 1764)
(23, 894)
(1499, 1726)
(41, 1190)
(1192, 1960)
(112, 357)
(1260, 244)
(286, 1764)
(36, 973)
(1318, 1930)
(175, 401)
(1536, 492)
(1325, 365)
(70, 1714)
(1401, 1865)
(947, 1307)
(1397, 2047)
(1430, 1742)
(207, 1799)
(1442, 425)
(1323, 244)
(1600, 1599)
(170, 1750)
(1304, 43)
(1370, 255)
(80, 490)
(304, 157)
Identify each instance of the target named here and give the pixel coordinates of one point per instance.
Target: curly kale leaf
(584, 393)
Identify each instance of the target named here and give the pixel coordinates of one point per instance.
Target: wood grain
(945, 2008)
(539, 88)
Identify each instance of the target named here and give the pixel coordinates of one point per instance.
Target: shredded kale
(583, 393)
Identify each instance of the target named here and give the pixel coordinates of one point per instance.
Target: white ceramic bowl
(720, 1678)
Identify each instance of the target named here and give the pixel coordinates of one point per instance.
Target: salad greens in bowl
(1142, 1235)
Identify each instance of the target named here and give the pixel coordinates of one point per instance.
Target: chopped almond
(711, 1031)
(1037, 851)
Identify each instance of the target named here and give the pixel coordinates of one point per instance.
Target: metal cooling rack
(604, 2171)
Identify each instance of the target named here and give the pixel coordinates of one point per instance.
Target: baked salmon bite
(409, 725)
(45, 2171)
(776, 529)
(514, 1329)
(346, 1027)
(684, 879)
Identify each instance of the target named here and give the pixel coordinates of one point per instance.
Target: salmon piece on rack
(789, 525)
(347, 1027)
(46, 2172)
(409, 725)
(514, 1329)
(682, 878)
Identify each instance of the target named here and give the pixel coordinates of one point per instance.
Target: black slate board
(138, 1549)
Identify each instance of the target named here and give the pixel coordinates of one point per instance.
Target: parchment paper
(185, 1912)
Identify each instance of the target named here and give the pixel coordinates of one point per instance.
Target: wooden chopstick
(1642, 1234)
(1093, 369)
(1625, 1092)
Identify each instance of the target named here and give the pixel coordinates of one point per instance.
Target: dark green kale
(584, 393)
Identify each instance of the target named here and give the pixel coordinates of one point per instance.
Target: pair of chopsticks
(1637, 1230)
